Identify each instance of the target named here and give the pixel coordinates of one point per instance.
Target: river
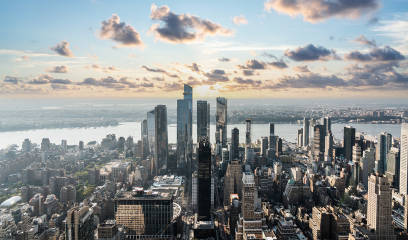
(125, 129)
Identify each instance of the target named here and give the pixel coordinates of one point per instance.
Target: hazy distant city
(178, 120)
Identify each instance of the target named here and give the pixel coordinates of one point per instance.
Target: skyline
(150, 49)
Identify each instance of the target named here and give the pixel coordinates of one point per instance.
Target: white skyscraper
(404, 160)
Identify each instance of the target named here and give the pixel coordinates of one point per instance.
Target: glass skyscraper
(185, 127)
(161, 138)
(221, 119)
(203, 119)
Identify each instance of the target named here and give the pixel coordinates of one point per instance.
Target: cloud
(216, 75)
(240, 20)
(377, 75)
(182, 28)
(319, 10)
(311, 53)
(311, 80)
(116, 84)
(106, 69)
(159, 70)
(47, 79)
(119, 32)
(376, 54)
(10, 79)
(224, 59)
(62, 49)
(364, 41)
(254, 64)
(395, 29)
(247, 72)
(303, 69)
(194, 67)
(243, 81)
(59, 69)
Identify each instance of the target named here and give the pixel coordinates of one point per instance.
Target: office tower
(194, 190)
(45, 145)
(203, 119)
(145, 216)
(328, 147)
(318, 142)
(329, 223)
(68, 194)
(300, 137)
(367, 165)
(381, 154)
(64, 145)
(349, 140)
(393, 167)
(327, 125)
(108, 231)
(232, 180)
(388, 141)
(221, 119)
(278, 146)
(248, 123)
(250, 221)
(79, 223)
(234, 144)
(306, 126)
(379, 207)
(144, 139)
(356, 174)
(204, 180)
(271, 129)
(151, 132)
(264, 146)
(81, 145)
(161, 138)
(184, 128)
(404, 160)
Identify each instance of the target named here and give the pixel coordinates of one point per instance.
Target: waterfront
(125, 129)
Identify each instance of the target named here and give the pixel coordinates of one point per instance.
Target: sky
(231, 48)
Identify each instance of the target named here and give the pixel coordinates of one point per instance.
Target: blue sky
(32, 28)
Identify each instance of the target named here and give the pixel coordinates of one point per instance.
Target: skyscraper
(306, 132)
(404, 160)
(393, 167)
(381, 154)
(356, 164)
(161, 138)
(221, 119)
(248, 124)
(379, 207)
(203, 119)
(271, 129)
(264, 146)
(79, 223)
(318, 142)
(145, 139)
(328, 147)
(367, 165)
(233, 180)
(327, 125)
(144, 216)
(151, 132)
(204, 180)
(184, 128)
(349, 140)
(234, 144)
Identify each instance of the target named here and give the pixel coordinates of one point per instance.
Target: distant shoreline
(117, 123)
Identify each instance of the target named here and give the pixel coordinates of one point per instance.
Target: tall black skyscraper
(221, 121)
(327, 125)
(271, 129)
(161, 138)
(248, 132)
(204, 180)
(349, 140)
(234, 144)
(203, 119)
